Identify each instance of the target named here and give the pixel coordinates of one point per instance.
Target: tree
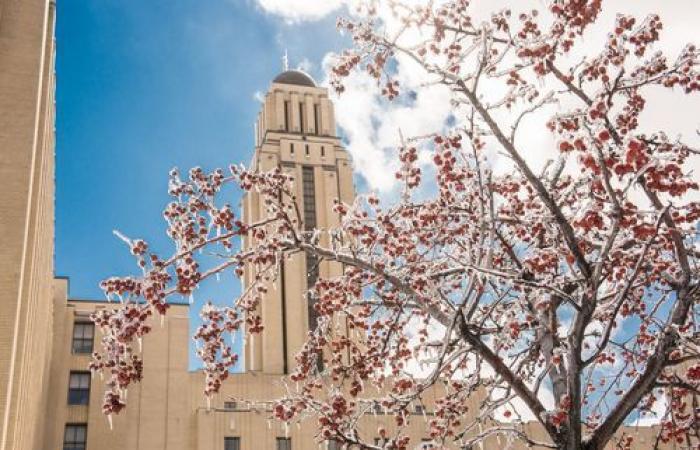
(581, 279)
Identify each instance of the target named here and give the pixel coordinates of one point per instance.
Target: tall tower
(26, 216)
(295, 131)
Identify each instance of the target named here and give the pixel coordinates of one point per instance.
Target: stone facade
(26, 217)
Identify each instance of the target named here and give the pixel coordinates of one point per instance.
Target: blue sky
(146, 86)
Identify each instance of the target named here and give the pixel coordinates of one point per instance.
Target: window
(231, 406)
(75, 437)
(312, 262)
(83, 334)
(79, 388)
(284, 443)
(232, 443)
(286, 116)
(307, 150)
(323, 151)
(420, 409)
(291, 149)
(317, 119)
(333, 445)
(301, 118)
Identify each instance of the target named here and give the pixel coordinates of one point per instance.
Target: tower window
(79, 388)
(284, 443)
(83, 336)
(286, 115)
(75, 436)
(301, 118)
(317, 119)
(312, 272)
(232, 443)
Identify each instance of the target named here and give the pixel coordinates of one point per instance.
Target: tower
(295, 131)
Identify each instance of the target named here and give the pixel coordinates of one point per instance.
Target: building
(26, 216)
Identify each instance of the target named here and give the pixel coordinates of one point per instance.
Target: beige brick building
(48, 400)
(26, 217)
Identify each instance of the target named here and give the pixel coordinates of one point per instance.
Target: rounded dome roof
(295, 77)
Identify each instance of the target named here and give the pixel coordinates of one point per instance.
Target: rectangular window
(323, 151)
(230, 406)
(312, 262)
(306, 150)
(286, 115)
(284, 443)
(79, 388)
(232, 443)
(83, 337)
(291, 149)
(301, 118)
(420, 409)
(75, 437)
(317, 119)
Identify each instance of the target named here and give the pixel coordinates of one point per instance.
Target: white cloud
(658, 410)
(300, 10)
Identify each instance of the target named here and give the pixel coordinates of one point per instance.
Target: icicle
(140, 339)
(191, 298)
(109, 420)
(162, 320)
(218, 278)
(208, 402)
(269, 424)
(286, 429)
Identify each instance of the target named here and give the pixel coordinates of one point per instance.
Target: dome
(294, 77)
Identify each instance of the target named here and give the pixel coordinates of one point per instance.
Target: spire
(285, 61)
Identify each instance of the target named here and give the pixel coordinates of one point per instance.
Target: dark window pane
(79, 388)
(83, 336)
(301, 118)
(75, 437)
(284, 443)
(231, 406)
(232, 443)
(286, 118)
(317, 119)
